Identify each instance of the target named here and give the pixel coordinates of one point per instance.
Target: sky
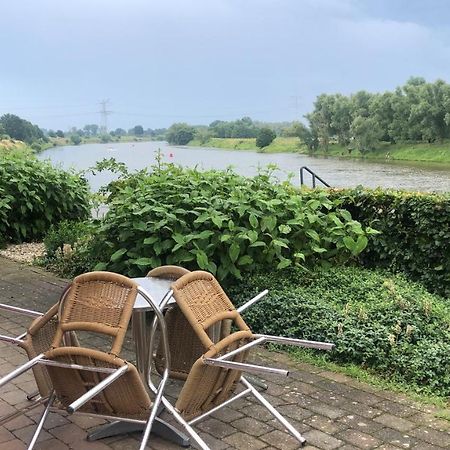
(165, 61)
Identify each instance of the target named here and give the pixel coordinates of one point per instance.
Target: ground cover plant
(221, 222)
(377, 320)
(34, 195)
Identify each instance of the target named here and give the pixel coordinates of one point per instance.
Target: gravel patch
(24, 253)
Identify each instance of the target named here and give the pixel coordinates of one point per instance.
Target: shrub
(415, 232)
(221, 222)
(67, 248)
(265, 137)
(34, 195)
(376, 319)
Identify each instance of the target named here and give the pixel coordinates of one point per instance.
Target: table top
(156, 288)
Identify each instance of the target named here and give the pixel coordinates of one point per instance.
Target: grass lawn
(437, 152)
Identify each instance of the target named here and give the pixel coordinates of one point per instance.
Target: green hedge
(221, 222)
(34, 195)
(376, 319)
(415, 232)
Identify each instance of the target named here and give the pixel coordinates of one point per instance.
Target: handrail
(313, 175)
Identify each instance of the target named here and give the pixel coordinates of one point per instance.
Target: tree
(180, 134)
(265, 137)
(366, 133)
(60, 133)
(91, 130)
(75, 139)
(138, 130)
(321, 119)
(306, 135)
(20, 129)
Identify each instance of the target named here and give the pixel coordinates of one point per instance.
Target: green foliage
(416, 111)
(265, 137)
(67, 248)
(415, 232)
(34, 195)
(20, 129)
(221, 222)
(180, 134)
(377, 320)
(241, 128)
(366, 133)
(75, 139)
(138, 130)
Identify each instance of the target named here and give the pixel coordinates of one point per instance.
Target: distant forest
(416, 111)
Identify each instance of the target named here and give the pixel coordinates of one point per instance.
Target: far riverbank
(420, 152)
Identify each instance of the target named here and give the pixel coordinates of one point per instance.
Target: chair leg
(274, 412)
(41, 421)
(199, 441)
(33, 395)
(21, 411)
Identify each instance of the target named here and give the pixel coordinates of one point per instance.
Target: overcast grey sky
(162, 61)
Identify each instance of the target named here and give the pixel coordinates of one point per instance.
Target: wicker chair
(36, 340)
(214, 377)
(184, 346)
(89, 380)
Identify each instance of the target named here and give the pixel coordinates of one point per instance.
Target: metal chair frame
(222, 361)
(36, 398)
(114, 374)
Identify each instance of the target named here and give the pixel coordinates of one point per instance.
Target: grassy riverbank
(401, 152)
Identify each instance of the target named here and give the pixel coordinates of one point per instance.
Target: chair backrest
(168, 272)
(39, 338)
(100, 302)
(205, 305)
(184, 345)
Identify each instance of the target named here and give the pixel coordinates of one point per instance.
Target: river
(425, 177)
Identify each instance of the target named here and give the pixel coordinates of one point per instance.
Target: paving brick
(439, 438)
(216, 427)
(25, 434)
(360, 423)
(359, 439)
(394, 437)
(5, 435)
(251, 426)
(324, 424)
(322, 440)
(398, 423)
(430, 420)
(51, 444)
(280, 440)
(69, 433)
(244, 441)
(396, 408)
(13, 445)
(325, 410)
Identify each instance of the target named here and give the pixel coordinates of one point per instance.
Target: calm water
(338, 173)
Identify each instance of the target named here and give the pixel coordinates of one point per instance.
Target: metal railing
(314, 177)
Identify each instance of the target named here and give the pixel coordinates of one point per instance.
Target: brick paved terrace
(331, 410)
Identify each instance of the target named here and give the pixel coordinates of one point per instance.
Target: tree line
(416, 111)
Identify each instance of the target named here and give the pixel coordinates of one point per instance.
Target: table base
(159, 428)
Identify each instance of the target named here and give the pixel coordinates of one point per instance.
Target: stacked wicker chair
(214, 377)
(89, 380)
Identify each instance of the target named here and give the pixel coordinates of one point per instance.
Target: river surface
(426, 177)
